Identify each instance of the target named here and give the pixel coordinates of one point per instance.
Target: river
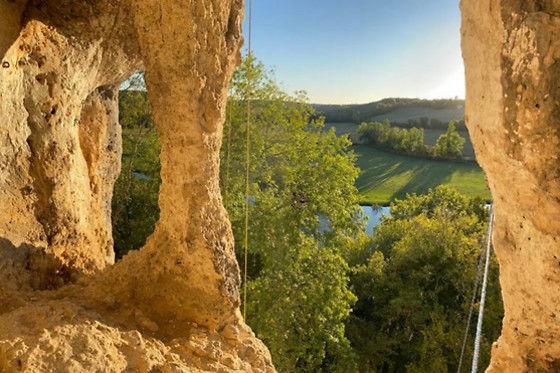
(373, 215)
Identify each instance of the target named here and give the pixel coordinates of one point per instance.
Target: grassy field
(386, 176)
(343, 128)
(404, 114)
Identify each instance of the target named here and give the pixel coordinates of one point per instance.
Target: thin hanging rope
(477, 338)
(471, 308)
(247, 160)
(228, 151)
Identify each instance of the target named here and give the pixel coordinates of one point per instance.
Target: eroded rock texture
(64, 304)
(512, 51)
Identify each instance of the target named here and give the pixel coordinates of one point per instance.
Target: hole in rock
(135, 208)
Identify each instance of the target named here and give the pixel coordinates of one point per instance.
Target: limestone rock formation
(64, 305)
(512, 57)
(174, 305)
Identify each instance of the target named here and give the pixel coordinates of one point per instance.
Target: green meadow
(386, 176)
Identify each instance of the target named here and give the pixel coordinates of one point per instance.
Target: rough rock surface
(512, 50)
(64, 305)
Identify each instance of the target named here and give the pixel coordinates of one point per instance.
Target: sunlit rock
(64, 304)
(511, 50)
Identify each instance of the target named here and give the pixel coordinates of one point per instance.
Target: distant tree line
(449, 145)
(431, 123)
(366, 112)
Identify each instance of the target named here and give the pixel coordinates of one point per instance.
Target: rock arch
(174, 305)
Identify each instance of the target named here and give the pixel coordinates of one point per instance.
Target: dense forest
(322, 295)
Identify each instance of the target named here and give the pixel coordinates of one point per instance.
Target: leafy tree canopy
(450, 144)
(414, 282)
(303, 216)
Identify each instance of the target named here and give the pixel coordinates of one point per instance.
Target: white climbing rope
(476, 352)
(471, 308)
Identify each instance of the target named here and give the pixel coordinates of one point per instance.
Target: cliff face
(511, 50)
(64, 304)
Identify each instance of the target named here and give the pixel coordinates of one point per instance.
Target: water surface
(373, 216)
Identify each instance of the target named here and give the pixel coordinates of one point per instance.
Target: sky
(358, 51)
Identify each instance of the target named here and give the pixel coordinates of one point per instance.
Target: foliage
(414, 283)
(411, 141)
(301, 179)
(450, 144)
(298, 309)
(134, 206)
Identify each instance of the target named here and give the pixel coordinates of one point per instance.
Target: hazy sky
(357, 51)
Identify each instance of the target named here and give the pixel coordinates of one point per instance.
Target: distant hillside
(431, 115)
(402, 111)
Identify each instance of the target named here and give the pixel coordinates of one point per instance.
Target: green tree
(302, 216)
(134, 206)
(415, 142)
(376, 133)
(414, 284)
(450, 144)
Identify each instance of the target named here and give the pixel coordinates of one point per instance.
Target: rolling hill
(400, 111)
(431, 115)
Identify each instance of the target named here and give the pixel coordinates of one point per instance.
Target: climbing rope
(247, 160)
(471, 308)
(228, 151)
(476, 352)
